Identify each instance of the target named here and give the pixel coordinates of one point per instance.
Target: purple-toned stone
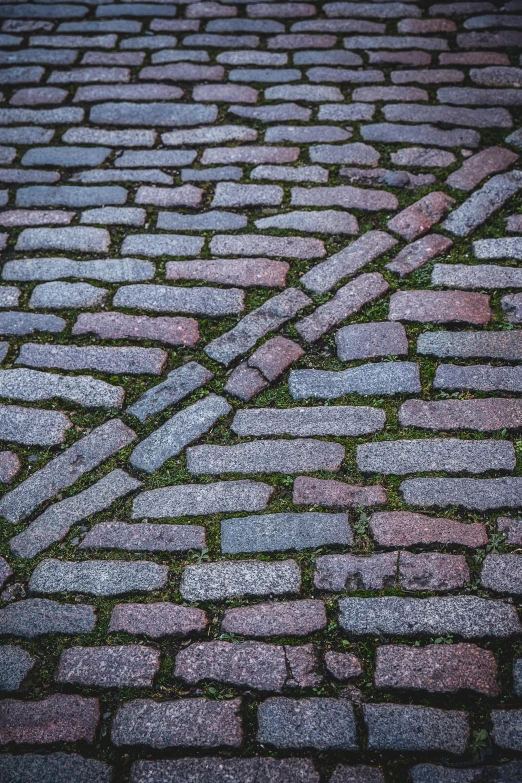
(157, 620)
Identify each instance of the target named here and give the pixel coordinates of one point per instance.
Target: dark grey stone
(319, 723)
(97, 577)
(15, 664)
(339, 421)
(144, 537)
(179, 384)
(124, 666)
(478, 494)
(233, 579)
(483, 203)
(507, 728)
(35, 386)
(201, 499)
(151, 114)
(16, 323)
(124, 360)
(222, 770)
(272, 532)
(424, 134)
(65, 156)
(502, 573)
(350, 572)
(38, 616)
(368, 340)
(203, 300)
(431, 773)
(374, 379)
(327, 221)
(467, 345)
(399, 727)
(53, 767)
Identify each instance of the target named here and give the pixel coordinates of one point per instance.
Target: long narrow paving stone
(36, 386)
(469, 345)
(319, 723)
(339, 421)
(169, 299)
(476, 276)
(54, 767)
(404, 528)
(97, 577)
(39, 616)
(179, 384)
(232, 579)
(65, 469)
(157, 620)
(183, 428)
(126, 360)
(486, 415)
(474, 494)
(283, 532)
(381, 378)
(218, 769)
(144, 537)
(278, 618)
(483, 203)
(32, 426)
(201, 499)
(108, 667)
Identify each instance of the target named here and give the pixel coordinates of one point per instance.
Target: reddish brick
(433, 571)
(109, 667)
(343, 666)
(473, 58)
(418, 253)
(349, 572)
(512, 528)
(227, 93)
(116, 326)
(242, 272)
(440, 307)
(275, 356)
(404, 529)
(157, 620)
(421, 216)
(245, 382)
(437, 668)
(282, 618)
(426, 26)
(487, 415)
(58, 718)
(480, 166)
(327, 492)
(304, 663)
(9, 466)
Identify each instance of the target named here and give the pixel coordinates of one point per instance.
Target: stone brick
(5, 571)
(378, 378)
(344, 196)
(109, 667)
(17, 323)
(127, 113)
(115, 270)
(420, 134)
(195, 722)
(512, 306)
(233, 579)
(437, 668)
(290, 173)
(406, 529)
(505, 247)
(202, 499)
(39, 616)
(53, 768)
(404, 94)
(466, 345)
(172, 331)
(328, 221)
(32, 426)
(183, 428)
(204, 300)
(433, 571)
(514, 223)
(34, 386)
(275, 356)
(127, 360)
(358, 774)
(343, 666)
(283, 532)
(486, 415)
(326, 492)
(97, 577)
(477, 494)
(502, 573)
(70, 196)
(349, 572)
(28, 217)
(77, 238)
(242, 272)
(266, 456)
(214, 220)
(251, 155)
(369, 340)
(179, 384)
(476, 276)
(480, 166)
(421, 216)
(217, 770)
(15, 664)
(507, 726)
(144, 537)
(257, 244)
(283, 618)
(57, 718)
(186, 195)
(245, 382)
(9, 463)
(512, 529)
(335, 420)
(483, 203)
(319, 723)
(407, 728)
(62, 296)
(419, 156)
(157, 620)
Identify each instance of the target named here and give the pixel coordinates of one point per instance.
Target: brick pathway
(260, 389)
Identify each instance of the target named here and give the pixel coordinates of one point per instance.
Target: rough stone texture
(202, 499)
(238, 272)
(343, 666)
(404, 528)
(467, 345)
(282, 532)
(348, 572)
(284, 618)
(502, 573)
(126, 360)
(433, 571)
(58, 718)
(157, 620)
(476, 276)
(109, 667)
(9, 465)
(251, 664)
(35, 386)
(326, 492)
(38, 616)
(320, 723)
(480, 166)
(217, 581)
(478, 494)
(275, 356)
(15, 664)
(179, 384)
(335, 420)
(397, 727)
(507, 725)
(114, 326)
(97, 577)
(245, 382)
(370, 340)
(483, 203)
(440, 307)
(178, 723)
(421, 216)
(487, 415)
(53, 768)
(221, 770)
(512, 529)
(144, 537)
(380, 378)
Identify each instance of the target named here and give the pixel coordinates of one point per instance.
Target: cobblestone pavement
(260, 392)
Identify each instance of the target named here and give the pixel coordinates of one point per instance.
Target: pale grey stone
(467, 616)
(232, 579)
(447, 455)
(476, 494)
(34, 386)
(183, 428)
(70, 196)
(56, 521)
(202, 300)
(477, 275)
(65, 156)
(273, 532)
(179, 384)
(478, 377)
(483, 203)
(15, 664)
(62, 471)
(32, 426)
(111, 138)
(97, 577)
(18, 323)
(328, 221)
(290, 173)
(340, 421)
(114, 216)
(266, 456)
(502, 573)
(319, 723)
(339, 112)
(9, 295)
(65, 296)
(367, 340)
(202, 499)
(161, 245)
(213, 135)
(39, 616)
(78, 238)
(266, 318)
(373, 379)
(144, 537)
(111, 270)
(152, 114)
(204, 221)
(505, 247)
(466, 345)
(125, 360)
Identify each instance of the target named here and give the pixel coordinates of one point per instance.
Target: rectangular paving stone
(181, 429)
(97, 577)
(202, 499)
(232, 579)
(257, 244)
(470, 118)
(70, 196)
(448, 455)
(421, 216)
(204, 300)
(57, 718)
(161, 244)
(437, 668)
(368, 340)
(440, 307)
(273, 532)
(404, 528)
(505, 247)
(230, 194)
(56, 521)
(15, 664)
(466, 616)
(486, 415)
(157, 620)
(35, 617)
(186, 195)
(322, 277)
(479, 96)
(179, 384)
(34, 386)
(242, 272)
(266, 456)
(211, 135)
(419, 134)
(502, 573)
(480, 166)
(281, 618)
(327, 221)
(483, 203)
(467, 345)
(62, 471)
(478, 377)
(144, 537)
(478, 494)
(506, 729)
(67, 115)
(214, 220)
(125, 666)
(433, 571)
(349, 572)
(28, 217)
(30, 426)
(348, 300)
(150, 114)
(379, 378)
(339, 421)
(476, 276)
(196, 722)
(126, 360)
(319, 723)
(172, 331)
(269, 316)
(214, 768)
(78, 238)
(344, 196)
(62, 296)
(411, 728)
(111, 138)
(330, 493)
(512, 529)
(113, 270)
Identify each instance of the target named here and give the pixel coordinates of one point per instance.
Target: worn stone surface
(178, 384)
(157, 620)
(379, 378)
(340, 421)
(416, 728)
(321, 723)
(478, 494)
(349, 572)
(38, 616)
(421, 216)
(282, 618)
(330, 493)
(109, 667)
(144, 537)
(252, 664)
(220, 770)
(468, 345)
(97, 577)
(15, 664)
(502, 573)
(485, 415)
(273, 532)
(440, 307)
(365, 341)
(404, 528)
(57, 718)
(216, 581)
(201, 499)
